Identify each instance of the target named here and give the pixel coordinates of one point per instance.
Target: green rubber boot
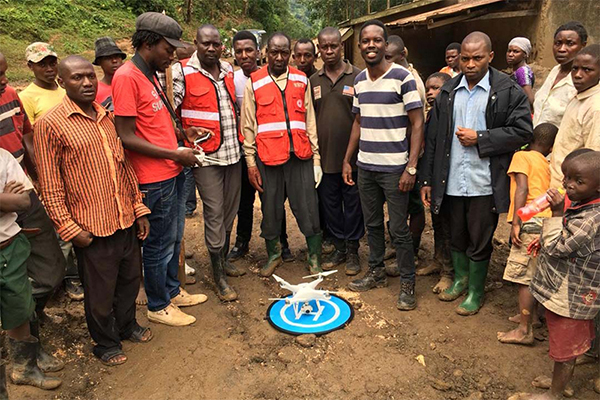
(460, 262)
(275, 260)
(314, 253)
(474, 300)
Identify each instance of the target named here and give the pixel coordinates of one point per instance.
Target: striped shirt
(86, 181)
(13, 123)
(383, 105)
(567, 279)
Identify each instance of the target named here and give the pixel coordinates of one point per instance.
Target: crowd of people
(92, 171)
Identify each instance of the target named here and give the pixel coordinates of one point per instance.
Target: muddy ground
(232, 352)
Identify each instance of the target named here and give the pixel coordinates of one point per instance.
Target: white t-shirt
(10, 170)
(239, 80)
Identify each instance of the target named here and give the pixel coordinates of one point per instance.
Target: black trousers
(441, 239)
(340, 203)
(245, 213)
(46, 264)
(295, 179)
(472, 225)
(375, 189)
(110, 269)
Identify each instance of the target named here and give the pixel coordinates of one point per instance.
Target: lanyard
(139, 62)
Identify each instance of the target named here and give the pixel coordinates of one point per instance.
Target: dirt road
(233, 353)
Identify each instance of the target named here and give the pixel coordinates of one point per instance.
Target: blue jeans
(161, 249)
(189, 191)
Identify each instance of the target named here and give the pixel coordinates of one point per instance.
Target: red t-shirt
(103, 92)
(134, 96)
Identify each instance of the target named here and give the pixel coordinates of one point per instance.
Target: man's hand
(557, 202)
(466, 137)
(143, 227)
(347, 174)
(83, 239)
(255, 178)
(185, 156)
(515, 231)
(195, 132)
(14, 187)
(426, 196)
(407, 182)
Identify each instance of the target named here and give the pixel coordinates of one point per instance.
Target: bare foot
(597, 385)
(545, 382)
(516, 336)
(585, 359)
(517, 320)
(141, 299)
(442, 285)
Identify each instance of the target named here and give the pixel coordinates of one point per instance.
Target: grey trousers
(219, 189)
(296, 178)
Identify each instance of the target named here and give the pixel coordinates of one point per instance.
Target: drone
(304, 293)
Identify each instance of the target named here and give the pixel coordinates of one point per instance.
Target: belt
(26, 231)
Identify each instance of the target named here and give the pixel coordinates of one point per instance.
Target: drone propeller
(320, 274)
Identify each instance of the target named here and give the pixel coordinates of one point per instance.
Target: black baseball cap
(161, 24)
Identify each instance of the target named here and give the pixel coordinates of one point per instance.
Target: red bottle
(536, 206)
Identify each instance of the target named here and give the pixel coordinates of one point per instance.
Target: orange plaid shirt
(86, 182)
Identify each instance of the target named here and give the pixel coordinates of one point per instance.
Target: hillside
(73, 25)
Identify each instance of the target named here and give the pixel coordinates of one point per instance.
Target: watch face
(411, 170)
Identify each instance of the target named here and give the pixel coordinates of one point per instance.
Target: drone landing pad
(335, 314)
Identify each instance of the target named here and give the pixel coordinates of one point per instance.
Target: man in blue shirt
(478, 121)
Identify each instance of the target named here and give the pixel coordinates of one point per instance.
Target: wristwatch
(412, 171)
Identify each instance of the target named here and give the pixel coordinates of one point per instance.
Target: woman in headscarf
(518, 51)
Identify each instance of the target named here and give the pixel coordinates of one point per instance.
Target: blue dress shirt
(469, 175)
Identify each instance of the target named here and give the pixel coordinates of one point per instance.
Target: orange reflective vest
(280, 117)
(200, 105)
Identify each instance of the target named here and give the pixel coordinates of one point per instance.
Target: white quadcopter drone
(304, 293)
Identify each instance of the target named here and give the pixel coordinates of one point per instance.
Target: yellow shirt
(37, 101)
(535, 166)
(550, 102)
(249, 125)
(579, 128)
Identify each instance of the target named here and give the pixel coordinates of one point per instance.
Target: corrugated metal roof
(453, 9)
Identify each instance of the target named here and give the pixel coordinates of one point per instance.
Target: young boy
(529, 173)
(16, 302)
(441, 231)
(566, 282)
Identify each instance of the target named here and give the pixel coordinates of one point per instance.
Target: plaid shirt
(567, 280)
(230, 150)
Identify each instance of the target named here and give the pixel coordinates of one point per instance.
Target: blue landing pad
(336, 314)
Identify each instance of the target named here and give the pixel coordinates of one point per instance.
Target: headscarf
(522, 43)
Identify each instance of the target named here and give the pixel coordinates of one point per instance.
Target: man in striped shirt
(386, 106)
(91, 192)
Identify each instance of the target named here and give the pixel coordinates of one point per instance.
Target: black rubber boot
(314, 244)
(224, 291)
(3, 390)
(374, 278)
(406, 299)
(46, 361)
(287, 255)
(352, 260)
(25, 370)
(337, 258)
(274, 261)
(230, 269)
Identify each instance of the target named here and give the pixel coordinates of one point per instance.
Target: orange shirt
(537, 168)
(86, 181)
(449, 71)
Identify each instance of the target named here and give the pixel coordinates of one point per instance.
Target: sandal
(141, 335)
(113, 358)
